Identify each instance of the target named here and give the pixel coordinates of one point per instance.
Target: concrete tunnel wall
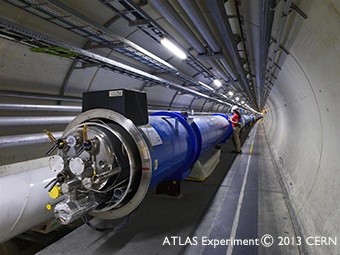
(302, 124)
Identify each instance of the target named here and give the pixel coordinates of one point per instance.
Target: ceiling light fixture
(206, 86)
(173, 48)
(230, 93)
(218, 83)
(237, 98)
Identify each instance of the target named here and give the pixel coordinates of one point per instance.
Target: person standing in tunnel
(235, 120)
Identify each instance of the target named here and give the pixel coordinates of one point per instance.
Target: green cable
(56, 51)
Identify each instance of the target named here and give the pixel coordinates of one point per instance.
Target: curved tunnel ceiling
(221, 42)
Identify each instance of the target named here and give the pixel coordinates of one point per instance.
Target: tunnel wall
(302, 125)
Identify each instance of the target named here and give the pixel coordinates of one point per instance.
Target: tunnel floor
(238, 209)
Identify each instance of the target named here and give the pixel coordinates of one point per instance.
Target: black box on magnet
(130, 103)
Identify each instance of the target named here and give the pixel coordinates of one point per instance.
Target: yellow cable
(50, 136)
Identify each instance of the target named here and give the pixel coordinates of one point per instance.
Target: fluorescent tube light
(173, 48)
(217, 83)
(206, 86)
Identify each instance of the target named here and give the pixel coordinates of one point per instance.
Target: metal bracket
(243, 61)
(280, 46)
(84, 66)
(107, 45)
(142, 3)
(210, 55)
(298, 10)
(238, 38)
(231, 82)
(33, 6)
(269, 59)
(273, 76)
(140, 22)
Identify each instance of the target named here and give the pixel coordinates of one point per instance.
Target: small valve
(58, 143)
(87, 144)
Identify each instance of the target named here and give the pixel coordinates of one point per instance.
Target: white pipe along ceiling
(275, 58)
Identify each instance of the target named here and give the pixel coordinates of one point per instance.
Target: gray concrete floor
(226, 205)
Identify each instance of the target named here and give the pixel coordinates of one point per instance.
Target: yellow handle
(55, 192)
